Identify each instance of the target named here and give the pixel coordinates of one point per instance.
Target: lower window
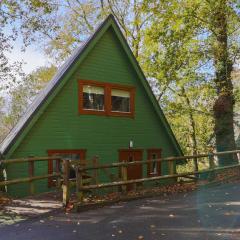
(71, 154)
(154, 168)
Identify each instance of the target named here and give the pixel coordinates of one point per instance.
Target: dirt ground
(16, 210)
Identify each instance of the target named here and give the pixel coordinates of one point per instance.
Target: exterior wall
(62, 127)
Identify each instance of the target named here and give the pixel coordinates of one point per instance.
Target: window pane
(120, 101)
(93, 97)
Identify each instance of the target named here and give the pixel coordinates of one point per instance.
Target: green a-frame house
(98, 104)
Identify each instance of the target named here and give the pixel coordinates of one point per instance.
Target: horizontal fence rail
(28, 179)
(120, 183)
(30, 159)
(167, 159)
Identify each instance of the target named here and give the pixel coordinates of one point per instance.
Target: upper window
(106, 99)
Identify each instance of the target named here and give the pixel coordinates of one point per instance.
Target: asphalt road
(212, 213)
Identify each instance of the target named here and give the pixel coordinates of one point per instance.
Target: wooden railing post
(171, 167)
(95, 172)
(211, 160)
(58, 171)
(124, 178)
(31, 174)
(79, 184)
(66, 184)
(211, 166)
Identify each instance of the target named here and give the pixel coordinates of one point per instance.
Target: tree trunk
(223, 107)
(193, 137)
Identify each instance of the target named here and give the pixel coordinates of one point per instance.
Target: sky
(32, 57)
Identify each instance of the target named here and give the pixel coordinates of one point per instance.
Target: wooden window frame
(81, 83)
(107, 98)
(129, 89)
(151, 151)
(51, 152)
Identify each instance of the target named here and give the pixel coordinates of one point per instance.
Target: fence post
(95, 172)
(31, 174)
(211, 160)
(211, 166)
(79, 184)
(58, 171)
(66, 184)
(124, 178)
(171, 167)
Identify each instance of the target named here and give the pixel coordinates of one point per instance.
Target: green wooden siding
(61, 127)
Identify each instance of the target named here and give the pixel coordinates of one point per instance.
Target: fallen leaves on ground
(115, 196)
(4, 199)
(227, 176)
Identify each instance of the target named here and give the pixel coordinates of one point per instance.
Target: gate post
(124, 178)
(79, 184)
(66, 184)
(31, 174)
(58, 171)
(171, 167)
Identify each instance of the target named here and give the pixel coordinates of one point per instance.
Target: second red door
(134, 171)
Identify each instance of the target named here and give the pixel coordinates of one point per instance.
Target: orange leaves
(4, 200)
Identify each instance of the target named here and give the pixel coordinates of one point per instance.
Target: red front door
(133, 171)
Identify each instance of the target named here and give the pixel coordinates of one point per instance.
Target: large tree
(79, 18)
(203, 33)
(20, 20)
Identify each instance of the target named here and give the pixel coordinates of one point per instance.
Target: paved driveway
(211, 213)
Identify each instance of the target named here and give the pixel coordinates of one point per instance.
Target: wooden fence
(83, 184)
(31, 171)
(81, 188)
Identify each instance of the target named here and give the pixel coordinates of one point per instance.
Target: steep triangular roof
(47, 94)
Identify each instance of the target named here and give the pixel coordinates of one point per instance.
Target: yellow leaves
(178, 25)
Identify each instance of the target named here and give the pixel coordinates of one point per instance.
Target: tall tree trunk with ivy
(192, 127)
(223, 107)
